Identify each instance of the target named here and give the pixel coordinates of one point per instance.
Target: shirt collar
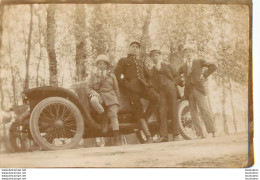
(132, 56)
(189, 63)
(98, 73)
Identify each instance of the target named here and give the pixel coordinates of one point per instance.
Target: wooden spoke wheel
(56, 123)
(185, 121)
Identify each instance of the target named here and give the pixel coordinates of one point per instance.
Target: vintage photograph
(126, 85)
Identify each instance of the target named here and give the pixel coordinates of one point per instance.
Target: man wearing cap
(103, 92)
(165, 79)
(195, 91)
(134, 79)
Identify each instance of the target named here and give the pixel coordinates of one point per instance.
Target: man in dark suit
(134, 79)
(195, 91)
(165, 79)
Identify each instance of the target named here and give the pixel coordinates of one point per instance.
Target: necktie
(158, 66)
(189, 68)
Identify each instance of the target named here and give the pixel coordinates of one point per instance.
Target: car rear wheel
(56, 123)
(185, 121)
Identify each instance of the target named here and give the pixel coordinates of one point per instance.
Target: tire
(185, 122)
(56, 119)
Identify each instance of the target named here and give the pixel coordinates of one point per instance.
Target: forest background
(57, 45)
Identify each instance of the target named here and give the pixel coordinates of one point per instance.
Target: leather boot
(149, 140)
(162, 139)
(104, 123)
(117, 139)
(146, 131)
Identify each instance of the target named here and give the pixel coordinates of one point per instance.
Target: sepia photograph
(136, 84)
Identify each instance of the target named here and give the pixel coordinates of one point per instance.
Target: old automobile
(55, 118)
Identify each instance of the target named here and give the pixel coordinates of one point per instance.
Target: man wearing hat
(134, 79)
(103, 92)
(195, 91)
(165, 79)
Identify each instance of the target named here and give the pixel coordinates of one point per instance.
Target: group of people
(157, 85)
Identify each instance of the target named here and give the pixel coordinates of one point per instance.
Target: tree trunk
(1, 94)
(232, 105)
(80, 37)
(26, 83)
(53, 81)
(1, 33)
(171, 57)
(40, 53)
(145, 38)
(98, 34)
(12, 74)
(1, 23)
(225, 125)
(37, 70)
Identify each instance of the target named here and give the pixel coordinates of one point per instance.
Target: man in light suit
(195, 92)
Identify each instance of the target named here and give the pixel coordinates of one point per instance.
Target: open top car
(56, 118)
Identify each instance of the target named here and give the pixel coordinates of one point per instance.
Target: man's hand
(93, 93)
(203, 78)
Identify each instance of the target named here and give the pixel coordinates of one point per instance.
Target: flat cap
(135, 42)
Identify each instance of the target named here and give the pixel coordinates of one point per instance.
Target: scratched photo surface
(50, 71)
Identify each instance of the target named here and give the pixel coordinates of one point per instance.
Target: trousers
(168, 105)
(198, 101)
(136, 105)
(112, 110)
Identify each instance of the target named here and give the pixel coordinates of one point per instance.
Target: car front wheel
(56, 123)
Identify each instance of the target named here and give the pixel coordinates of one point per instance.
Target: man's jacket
(132, 74)
(166, 76)
(194, 80)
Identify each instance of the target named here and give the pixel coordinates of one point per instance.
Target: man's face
(134, 49)
(102, 65)
(155, 57)
(189, 55)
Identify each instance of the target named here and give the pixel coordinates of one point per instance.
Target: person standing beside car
(165, 79)
(103, 92)
(195, 91)
(134, 79)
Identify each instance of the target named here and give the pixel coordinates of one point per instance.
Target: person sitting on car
(103, 92)
(134, 79)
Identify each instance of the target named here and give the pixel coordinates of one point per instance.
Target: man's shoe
(214, 134)
(149, 140)
(202, 137)
(162, 139)
(177, 138)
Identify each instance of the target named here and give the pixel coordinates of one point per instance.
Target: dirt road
(222, 151)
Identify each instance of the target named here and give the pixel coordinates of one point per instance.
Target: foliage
(219, 31)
